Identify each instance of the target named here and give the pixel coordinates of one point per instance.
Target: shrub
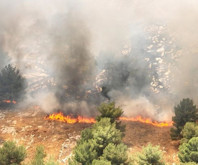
(104, 133)
(188, 152)
(39, 156)
(116, 154)
(150, 155)
(184, 112)
(10, 154)
(190, 130)
(86, 135)
(85, 152)
(109, 110)
(101, 144)
(98, 137)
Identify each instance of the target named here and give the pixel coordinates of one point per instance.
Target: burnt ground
(28, 127)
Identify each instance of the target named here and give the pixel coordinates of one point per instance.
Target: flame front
(147, 121)
(68, 119)
(71, 120)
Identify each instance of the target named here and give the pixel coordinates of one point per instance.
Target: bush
(188, 152)
(109, 110)
(184, 112)
(85, 152)
(39, 156)
(104, 133)
(12, 84)
(116, 154)
(101, 144)
(91, 147)
(150, 156)
(190, 130)
(86, 135)
(10, 154)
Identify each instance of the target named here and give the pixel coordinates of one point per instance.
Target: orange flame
(71, 120)
(9, 101)
(147, 121)
(68, 119)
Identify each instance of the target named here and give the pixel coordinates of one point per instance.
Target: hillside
(29, 128)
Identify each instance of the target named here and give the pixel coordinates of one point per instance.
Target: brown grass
(30, 129)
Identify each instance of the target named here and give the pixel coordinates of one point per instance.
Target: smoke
(71, 58)
(141, 54)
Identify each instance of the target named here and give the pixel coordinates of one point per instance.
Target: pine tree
(188, 152)
(110, 110)
(185, 112)
(101, 144)
(150, 156)
(104, 132)
(10, 154)
(86, 152)
(190, 130)
(116, 154)
(12, 84)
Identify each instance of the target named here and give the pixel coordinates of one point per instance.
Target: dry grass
(29, 128)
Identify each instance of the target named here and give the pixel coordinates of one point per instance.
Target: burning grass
(80, 119)
(29, 128)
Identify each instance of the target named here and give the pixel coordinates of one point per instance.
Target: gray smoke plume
(76, 54)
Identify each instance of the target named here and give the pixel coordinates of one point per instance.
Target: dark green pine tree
(12, 84)
(185, 112)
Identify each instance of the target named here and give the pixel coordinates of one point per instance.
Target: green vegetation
(188, 152)
(102, 144)
(10, 154)
(186, 129)
(185, 112)
(12, 85)
(39, 158)
(150, 155)
(190, 130)
(113, 113)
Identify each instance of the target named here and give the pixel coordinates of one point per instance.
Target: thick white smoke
(147, 48)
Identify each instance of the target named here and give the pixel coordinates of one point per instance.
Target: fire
(9, 101)
(69, 119)
(79, 119)
(147, 121)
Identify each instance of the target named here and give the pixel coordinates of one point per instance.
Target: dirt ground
(28, 127)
